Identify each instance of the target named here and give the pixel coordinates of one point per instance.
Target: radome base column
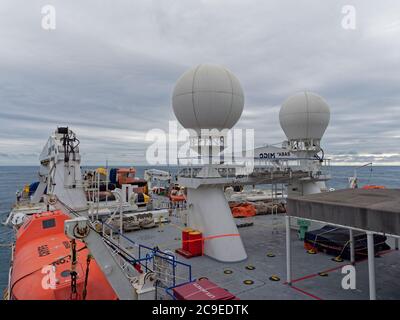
(210, 214)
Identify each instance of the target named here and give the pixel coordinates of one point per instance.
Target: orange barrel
(185, 238)
(195, 243)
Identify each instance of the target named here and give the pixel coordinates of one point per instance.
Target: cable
(370, 174)
(320, 158)
(84, 293)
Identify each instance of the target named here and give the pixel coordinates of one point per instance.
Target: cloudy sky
(109, 68)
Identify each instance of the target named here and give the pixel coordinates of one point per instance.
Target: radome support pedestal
(210, 213)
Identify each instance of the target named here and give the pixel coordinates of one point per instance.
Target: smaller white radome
(304, 116)
(208, 97)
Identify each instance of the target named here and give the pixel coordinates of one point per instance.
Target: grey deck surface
(373, 210)
(260, 239)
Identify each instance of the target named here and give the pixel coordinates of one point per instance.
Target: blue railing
(149, 254)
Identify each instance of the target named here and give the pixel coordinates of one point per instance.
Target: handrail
(191, 170)
(154, 252)
(134, 243)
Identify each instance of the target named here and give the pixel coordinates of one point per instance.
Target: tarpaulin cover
(335, 241)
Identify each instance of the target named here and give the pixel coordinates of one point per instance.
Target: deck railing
(192, 167)
(147, 256)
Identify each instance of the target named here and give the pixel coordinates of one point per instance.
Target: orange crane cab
(120, 176)
(126, 176)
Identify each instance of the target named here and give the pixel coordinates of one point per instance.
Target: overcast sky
(109, 68)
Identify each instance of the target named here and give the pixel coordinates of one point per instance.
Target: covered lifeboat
(41, 267)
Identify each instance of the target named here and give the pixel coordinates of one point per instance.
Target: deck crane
(151, 175)
(60, 165)
(60, 171)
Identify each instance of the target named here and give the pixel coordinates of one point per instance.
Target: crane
(154, 175)
(61, 174)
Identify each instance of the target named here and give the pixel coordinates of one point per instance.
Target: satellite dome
(208, 97)
(304, 116)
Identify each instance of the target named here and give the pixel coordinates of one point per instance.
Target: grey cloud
(109, 69)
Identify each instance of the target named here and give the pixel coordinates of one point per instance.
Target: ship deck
(267, 235)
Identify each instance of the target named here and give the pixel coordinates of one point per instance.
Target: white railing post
(371, 265)
(352, 250)
(288, 252)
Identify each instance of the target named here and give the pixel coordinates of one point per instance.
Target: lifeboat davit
(42, 263)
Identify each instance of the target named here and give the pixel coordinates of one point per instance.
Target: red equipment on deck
(185, 238)
(202, 290)
(192, 243)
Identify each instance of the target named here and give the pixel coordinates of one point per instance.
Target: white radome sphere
(208, 97)
(304, 116)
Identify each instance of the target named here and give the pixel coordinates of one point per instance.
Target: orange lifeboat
(372, 187)
(178, 198)
(42, 263)
(177, 195)
(243, 210)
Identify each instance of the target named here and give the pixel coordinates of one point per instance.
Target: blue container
(113, 175)
(32, 187)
